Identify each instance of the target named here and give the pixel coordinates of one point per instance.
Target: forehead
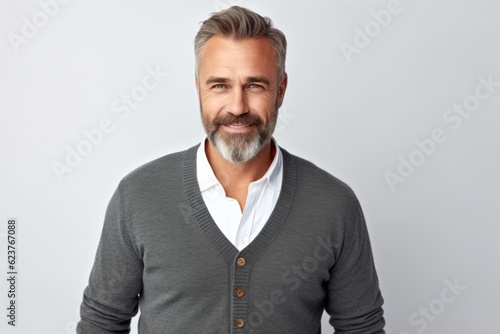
(229, 56)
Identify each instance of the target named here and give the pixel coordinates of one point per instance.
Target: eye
(255, 86)
(218, 86)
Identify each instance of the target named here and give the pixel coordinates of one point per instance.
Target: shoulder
(318, 182)
(161, 172)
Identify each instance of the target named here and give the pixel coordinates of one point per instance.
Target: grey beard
(240, 149)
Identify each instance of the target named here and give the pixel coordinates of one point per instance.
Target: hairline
(239, 39)
(238, 23)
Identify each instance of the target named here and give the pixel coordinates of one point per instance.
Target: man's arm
(354, 298)
(111, 298)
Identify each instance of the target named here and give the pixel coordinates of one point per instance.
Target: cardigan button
(241, 262)
(240, 293)
(239, 323)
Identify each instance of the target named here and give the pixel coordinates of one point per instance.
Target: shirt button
(241, 262)
(240, 293)
(239, 323)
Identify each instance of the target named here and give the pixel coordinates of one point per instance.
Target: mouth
(238, 127)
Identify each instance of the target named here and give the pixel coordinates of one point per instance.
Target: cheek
(264, 106)
(209, 106)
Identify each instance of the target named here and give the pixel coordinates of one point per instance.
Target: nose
(237, 104)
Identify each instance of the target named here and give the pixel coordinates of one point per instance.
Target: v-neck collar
(205, 222)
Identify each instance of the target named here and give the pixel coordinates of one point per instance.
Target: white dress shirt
(240, 227)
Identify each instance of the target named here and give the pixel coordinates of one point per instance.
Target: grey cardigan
(161, 251)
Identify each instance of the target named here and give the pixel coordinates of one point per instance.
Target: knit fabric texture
(161, 251)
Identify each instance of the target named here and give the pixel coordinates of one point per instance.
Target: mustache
(244, 119)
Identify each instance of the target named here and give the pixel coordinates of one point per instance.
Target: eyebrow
(261, 79)
(215, 80)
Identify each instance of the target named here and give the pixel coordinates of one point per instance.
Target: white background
(351, 115)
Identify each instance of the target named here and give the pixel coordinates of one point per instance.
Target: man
(235, 235)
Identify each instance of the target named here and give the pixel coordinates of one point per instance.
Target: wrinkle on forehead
(223, 57)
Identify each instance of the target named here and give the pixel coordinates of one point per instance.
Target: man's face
(239, 95)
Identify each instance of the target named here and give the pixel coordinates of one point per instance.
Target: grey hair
(241, 23)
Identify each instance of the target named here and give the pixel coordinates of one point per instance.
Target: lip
(238, 128)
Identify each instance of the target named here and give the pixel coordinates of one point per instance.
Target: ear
(196, 83)
(282, 90)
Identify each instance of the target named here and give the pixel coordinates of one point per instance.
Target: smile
(239, 128)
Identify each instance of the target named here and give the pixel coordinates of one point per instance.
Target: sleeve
(111, 298)
(354, 298)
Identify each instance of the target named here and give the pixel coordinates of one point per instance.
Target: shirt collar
(207, 179)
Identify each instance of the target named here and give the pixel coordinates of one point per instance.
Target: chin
(239, 148)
